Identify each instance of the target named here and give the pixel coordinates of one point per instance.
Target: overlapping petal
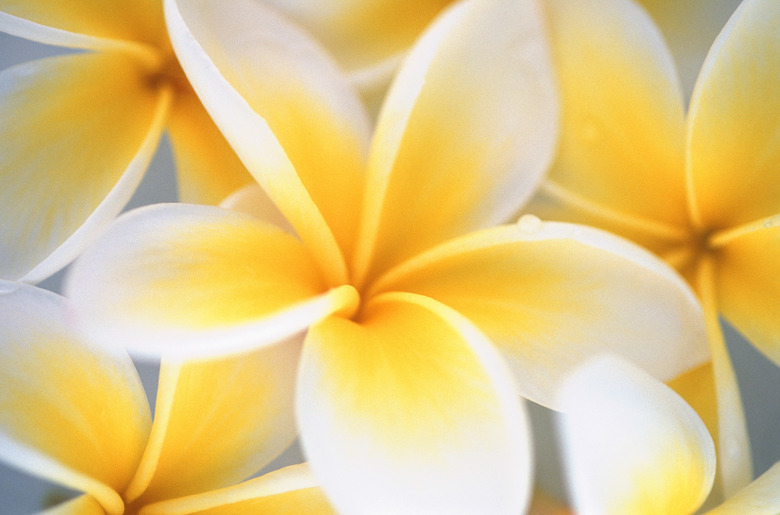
(77, 133)
(621, 153)
(292, 490)
(83, 505)
(410, 409)
(465, 134)
(54, 416)
(291, 116)
(631, 444)
(247, 422)
(207, 168)
(761, 497)
(734, 128)
(197, 280)
(550, 295)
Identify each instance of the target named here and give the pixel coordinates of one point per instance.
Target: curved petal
(761, 497)
(83, 505)
(733, 128)
(207, 168)
(551, 295)
(749, 288)
(411, 410)
(252, 200)
(631, 445)
(236, 412)
(622, 134)
(465, 134)
(196, 281)
(292, 490)
(76, 136)
(70, 412)
(291, 116)
(139, 20)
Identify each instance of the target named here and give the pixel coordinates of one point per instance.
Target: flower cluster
(399, 223)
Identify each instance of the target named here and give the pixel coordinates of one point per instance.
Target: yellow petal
(622, 134)
(198, 280)
(552, 295)
(207, 169)
(76, 135)
(465, 134)
(139, 20)
(83, 505)
(749, 288)
(761, 497)
(237, 412)
(631, 445)
(252, 200)
(292, 490)
(734, 129)
(70, 412)
(286, 109)
(411, 410)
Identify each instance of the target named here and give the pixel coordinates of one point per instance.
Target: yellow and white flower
(77, 415)
(424, 319)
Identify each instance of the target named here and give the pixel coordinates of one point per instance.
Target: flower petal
(237, 412)
(252, 200)
(196, 281)
(411, 410)
(292, 490)
(140, 20)
(465, 134)
(286, 109)
(76, 135)
(622, 134)
(734, 129)
(207, 168)
(70, 412)
(631, 445)
(83, 505)
(551, 295)
(761, 497)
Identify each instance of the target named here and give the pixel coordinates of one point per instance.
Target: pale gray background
(758, 378)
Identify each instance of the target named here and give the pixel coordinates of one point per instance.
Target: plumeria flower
(77, 131)
(423, 319)
(631, 445)
(76, 414)
(701, 192)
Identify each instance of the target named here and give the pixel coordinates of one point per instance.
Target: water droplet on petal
(529, 224)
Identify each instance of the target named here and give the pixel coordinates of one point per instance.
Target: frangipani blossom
(702, 192)
(77, 415)
(631, 445)
(423, 320)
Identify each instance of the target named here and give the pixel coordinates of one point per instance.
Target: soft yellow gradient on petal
(286, 109)
(84, 505)
(465, 135)
(72, 126)
(247, 423)
(64, 400)
(139, 20)
(207, 169)
(631, 444)
(749, 288)
(622, 135)
(289, 491)
(410, 409)
(252, 200)
(761, 497)
(551, 295)
(734, 127)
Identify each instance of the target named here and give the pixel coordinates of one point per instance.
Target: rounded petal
(286, 109)
(70, 412)
(465, 134)
(411, 410)
(552, 295)
(196, 281)
(622, 133)
(631, 445)
(292, 490)
(734, 127)
(237, 412)
(207, 168)
(76, 135)
(761, 497)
